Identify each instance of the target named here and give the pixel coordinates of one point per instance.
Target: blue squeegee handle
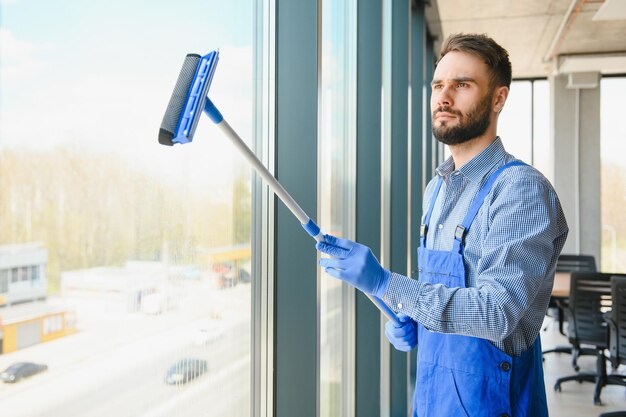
(307, 223)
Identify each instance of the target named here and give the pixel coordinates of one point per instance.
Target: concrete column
(575, 127)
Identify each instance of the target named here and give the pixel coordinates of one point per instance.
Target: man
(491, 233)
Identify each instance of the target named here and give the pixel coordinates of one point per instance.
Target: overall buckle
(459, 233)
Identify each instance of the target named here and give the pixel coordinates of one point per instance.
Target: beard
(470, 125)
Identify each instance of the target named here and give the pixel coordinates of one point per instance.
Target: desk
(560, 289)
(560, 294)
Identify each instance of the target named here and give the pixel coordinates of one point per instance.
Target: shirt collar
(479, 166)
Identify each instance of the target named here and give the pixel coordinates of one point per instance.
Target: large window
(337, 144)
(148, 246)
(613, 195)
(524, 124)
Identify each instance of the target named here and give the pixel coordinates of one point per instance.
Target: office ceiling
(542, 36)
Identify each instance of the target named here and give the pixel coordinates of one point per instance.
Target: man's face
(462, 99)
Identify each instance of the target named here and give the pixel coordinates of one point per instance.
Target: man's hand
(355, 264)
(403, 338)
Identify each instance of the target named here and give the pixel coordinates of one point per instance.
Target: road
(119, 369)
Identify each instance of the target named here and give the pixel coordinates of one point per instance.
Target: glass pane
(515, 121)
(542, 151)
(613, 194)
(337, 144)
(142, 301)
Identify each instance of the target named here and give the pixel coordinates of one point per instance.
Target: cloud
(106, 105)
(232, 87)
(20, 59)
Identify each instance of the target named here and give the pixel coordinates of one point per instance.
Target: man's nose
(444, 97)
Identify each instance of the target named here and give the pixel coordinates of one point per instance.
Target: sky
(98, 75)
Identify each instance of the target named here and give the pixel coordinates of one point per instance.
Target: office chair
(570, 263)
(616, 320)
(590, 298)
(576, 263)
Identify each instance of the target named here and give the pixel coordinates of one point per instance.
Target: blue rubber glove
(355, 264)
(403, 338)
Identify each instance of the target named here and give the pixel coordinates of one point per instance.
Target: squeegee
(189, 100)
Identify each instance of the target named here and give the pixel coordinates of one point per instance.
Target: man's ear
(499, 98)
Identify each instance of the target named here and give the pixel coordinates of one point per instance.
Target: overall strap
(461, 230)
(424, 226)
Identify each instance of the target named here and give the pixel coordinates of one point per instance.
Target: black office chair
(616, 320)
(576, 263)
(590, 298)
(570, 263)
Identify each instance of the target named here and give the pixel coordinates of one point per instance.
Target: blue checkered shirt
(510, 254)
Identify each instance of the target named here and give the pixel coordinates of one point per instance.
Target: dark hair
(481, 45)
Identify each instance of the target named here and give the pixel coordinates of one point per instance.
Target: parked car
(21, 370)
(186, 370)
(245, 272)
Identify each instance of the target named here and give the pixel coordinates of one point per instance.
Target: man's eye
(437, 87)
(462, 85)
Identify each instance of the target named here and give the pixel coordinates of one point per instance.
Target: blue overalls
(459, 376)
